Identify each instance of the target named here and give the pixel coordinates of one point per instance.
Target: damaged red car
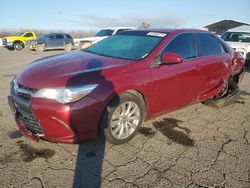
(114, 86)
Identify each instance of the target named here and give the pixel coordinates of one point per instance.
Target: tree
(144, 25)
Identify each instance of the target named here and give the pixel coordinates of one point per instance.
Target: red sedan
(116, 84)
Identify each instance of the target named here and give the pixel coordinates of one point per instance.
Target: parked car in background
(121, 81)
(52, 41)
(100, 35)
(239, 39)
(18, 41)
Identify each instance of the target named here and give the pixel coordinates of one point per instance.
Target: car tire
(227, 99)
(40, 47)
(68, 47)
(122, 118)
(18, 46)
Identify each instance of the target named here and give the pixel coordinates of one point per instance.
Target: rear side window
(59, 36)
(209, 45)
(184, 45)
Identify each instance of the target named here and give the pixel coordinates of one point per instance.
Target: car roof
(55, 34)
(114, 28)
(170, 30)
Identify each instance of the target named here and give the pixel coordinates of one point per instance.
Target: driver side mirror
(171, 58)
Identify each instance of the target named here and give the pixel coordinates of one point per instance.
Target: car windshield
(45, 36)
(236, 37)
(127, 45)
(104, 32)
(19, 34)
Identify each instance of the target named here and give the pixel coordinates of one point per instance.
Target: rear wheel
(122, 118)
(226, 98)
(18, 46)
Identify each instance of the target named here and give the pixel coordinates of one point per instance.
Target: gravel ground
(197, 146)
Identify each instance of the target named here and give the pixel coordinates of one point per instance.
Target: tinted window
(183, 45)
(121, 30)
(59, 37)
(28, 35)
(51, 36)
(236, 37)
(209, 45)
(104, 32)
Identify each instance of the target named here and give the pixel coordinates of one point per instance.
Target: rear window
(209, 45)
(104, 32)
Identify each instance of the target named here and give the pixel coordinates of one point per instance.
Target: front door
(176, 85)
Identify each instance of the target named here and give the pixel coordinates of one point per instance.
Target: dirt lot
(197, 146)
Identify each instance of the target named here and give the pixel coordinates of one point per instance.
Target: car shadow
(90, 155)
(170, 128)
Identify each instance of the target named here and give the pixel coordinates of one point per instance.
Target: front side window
(126, 46)
(28, 35)
(50, 37)
(184, 45)
(209, 45)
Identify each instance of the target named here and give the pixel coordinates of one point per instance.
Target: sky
(90, 15)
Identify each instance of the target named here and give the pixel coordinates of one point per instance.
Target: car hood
(70, 69)
(236, 45)
(93, 39)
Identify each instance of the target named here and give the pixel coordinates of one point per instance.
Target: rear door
(51, 41)
(215, 64)
(176, 85)
(59, 40)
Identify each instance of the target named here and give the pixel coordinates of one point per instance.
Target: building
(221, 26)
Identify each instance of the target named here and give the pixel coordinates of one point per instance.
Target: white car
(100, 35)
(239, 39)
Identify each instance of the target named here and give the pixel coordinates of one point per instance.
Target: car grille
(4, 41)
(21, 100)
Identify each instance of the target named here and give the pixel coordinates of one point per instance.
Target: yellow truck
(17, 42)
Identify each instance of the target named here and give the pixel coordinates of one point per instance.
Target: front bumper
(56, 122)
(7, 44)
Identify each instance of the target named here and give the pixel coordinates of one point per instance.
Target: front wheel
(122, 118)
(18, 46)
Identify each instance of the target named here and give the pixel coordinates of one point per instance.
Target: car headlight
(65, 95)
(9, 41)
